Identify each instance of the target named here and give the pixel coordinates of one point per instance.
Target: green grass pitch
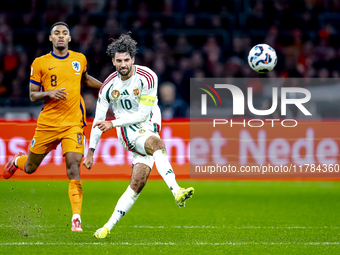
(222, 217)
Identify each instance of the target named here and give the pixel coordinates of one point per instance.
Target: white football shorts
(133, 138)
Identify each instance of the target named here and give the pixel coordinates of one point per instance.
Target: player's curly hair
(123, 44)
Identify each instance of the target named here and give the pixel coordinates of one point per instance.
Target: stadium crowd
(178, 39)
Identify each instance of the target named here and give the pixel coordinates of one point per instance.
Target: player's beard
(129, 70)
(60, 48)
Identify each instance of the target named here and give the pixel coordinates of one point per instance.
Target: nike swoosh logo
(51, 68)
(78, 147)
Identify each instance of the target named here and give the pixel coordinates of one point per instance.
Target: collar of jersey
(54, 55)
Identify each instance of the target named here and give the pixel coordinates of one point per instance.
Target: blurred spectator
(112, 28)
(10, 60)
(90, 104)
(196, 6)
(142, 20)
(171, 106)
(167, 8)
(159, 66)
(182, 47)
(306, 58)
(113, 7)
(83, 33)
(257, 17)
(16, 92)
(216, 22)
(106, 71)
(41, 46)
(92, 6)
(197, 60)
(96, 56)
(213, 51)
(189, 21)
(3, 88)
(5, 32)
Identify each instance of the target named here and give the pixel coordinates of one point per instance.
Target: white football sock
(164, 168)
(15, 162)
(124, 204)
(75, 216)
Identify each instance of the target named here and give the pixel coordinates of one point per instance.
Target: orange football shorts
(46, 139)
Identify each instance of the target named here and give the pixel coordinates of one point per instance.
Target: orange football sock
(75, 193)
(21, 161)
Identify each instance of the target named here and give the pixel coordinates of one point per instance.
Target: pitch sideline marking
(194, 227)
(171, 243)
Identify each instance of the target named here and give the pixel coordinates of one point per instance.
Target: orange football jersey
(52, 72)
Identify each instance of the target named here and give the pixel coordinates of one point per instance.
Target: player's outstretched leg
(140, 174)
(124, 204)
(10, 168)
(155, 146)
(101, 232)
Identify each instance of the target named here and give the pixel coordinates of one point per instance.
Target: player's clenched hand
(59, 94)
(88, 162)
(104, 125)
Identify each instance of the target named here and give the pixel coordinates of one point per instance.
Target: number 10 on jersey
(127, 104)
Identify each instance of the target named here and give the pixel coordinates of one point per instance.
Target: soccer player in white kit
(132, 90)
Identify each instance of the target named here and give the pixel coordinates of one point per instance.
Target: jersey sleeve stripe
(108, 79)
(82, 112)
(153, 80)
(147, 74)
(146, 77)
(35, 82)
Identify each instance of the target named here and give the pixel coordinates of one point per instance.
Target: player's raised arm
(101, 110)
(90, 81)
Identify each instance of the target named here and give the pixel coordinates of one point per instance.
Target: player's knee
(159, 144)
(73, 171)
(30, 168)
(154, 144)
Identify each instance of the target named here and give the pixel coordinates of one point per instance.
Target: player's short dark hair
(59, 23)
(123, 44)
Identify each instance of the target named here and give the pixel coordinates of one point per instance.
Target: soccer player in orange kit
(56, 78)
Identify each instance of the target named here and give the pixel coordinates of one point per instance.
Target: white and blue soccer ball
(262, 58)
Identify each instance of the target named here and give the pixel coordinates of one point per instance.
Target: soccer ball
(262, 58)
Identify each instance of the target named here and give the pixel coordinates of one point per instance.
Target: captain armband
(147, 100)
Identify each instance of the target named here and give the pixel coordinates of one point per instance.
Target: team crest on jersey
(115, 94)
(76, 66)
(135, 91)
(141, 131)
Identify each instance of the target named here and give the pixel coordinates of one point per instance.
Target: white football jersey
(125, 95)
(133, 101)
